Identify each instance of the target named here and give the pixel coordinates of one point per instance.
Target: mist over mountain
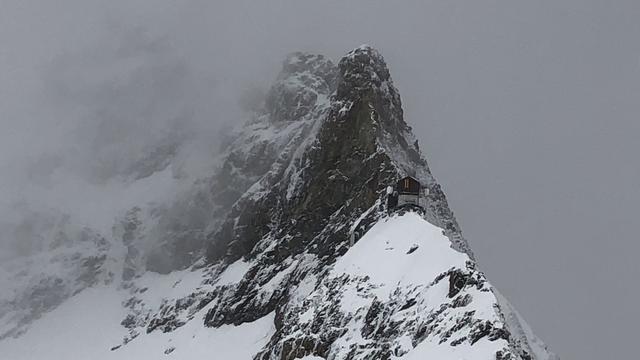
(110, 113)
(116, 115)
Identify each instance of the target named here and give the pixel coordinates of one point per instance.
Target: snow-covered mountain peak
(291, 246)
(363, 68)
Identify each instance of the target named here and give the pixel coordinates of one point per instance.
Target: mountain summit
(289, 250)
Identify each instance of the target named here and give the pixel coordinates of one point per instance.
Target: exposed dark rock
(413, 248)
(457, 280)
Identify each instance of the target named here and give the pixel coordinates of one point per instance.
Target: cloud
(92, 108)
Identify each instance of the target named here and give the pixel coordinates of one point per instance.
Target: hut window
(406, 183)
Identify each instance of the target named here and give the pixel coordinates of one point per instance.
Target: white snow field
(382, 255)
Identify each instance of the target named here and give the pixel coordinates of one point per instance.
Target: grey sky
(527, 111)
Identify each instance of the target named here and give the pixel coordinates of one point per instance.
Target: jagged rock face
(361, 145)
(304, 77)
(258, 151)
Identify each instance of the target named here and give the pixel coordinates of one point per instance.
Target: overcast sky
(528, 112)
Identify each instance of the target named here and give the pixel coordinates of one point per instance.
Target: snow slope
(404, 252)
(87, 326)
